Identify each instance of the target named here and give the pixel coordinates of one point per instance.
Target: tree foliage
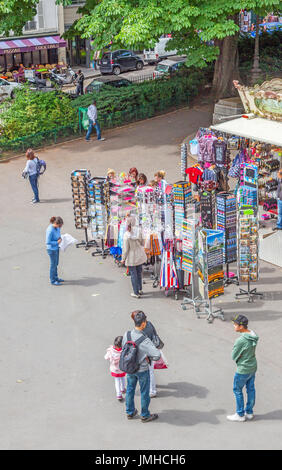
(139, 23)
(14, 14)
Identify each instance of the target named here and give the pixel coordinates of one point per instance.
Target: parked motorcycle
(61, 79)
(39, 84)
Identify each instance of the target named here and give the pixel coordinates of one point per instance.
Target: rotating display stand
(248, 268)
(189, 260)
(210, 270)
(226, 222)
(80, 196)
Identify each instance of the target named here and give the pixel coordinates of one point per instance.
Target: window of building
(30, 25)
(40, 15)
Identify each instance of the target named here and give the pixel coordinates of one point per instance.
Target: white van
(158, 53)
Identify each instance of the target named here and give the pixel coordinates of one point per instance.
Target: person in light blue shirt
(31, 171)
(53, 239)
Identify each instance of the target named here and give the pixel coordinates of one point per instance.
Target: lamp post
(256, 71)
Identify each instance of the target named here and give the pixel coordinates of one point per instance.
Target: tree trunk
(226, 67)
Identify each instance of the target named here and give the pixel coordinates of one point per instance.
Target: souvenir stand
(226, 222)
(80, 196)
(259, 133)
(210, 270)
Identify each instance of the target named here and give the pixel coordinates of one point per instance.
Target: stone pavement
(56, 389)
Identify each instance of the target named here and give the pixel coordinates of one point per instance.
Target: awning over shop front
(31, 44)
(260, 129)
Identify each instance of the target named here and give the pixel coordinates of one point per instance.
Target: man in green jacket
(244, 354)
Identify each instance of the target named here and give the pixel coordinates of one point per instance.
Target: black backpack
(129, 355)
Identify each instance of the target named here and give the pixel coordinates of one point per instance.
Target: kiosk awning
(31, 44)
(260, 129)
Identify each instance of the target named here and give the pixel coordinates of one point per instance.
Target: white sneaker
(153, 395)
(249, 417)
(102, 138)
(135, 296)
(141, 292)
(236, 417)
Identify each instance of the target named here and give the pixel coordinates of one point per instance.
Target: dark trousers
(33, 179)
(136, 278)
(79, 89)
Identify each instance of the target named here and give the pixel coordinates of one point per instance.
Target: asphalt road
(56, 389)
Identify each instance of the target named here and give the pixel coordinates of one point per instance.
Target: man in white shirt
(92, 115)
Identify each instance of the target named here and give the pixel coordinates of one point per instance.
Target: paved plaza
(56, 389)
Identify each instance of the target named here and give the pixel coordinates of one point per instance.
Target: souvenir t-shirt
(194, 174)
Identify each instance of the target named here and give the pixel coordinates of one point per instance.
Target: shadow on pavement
(182, 390)
(55, 201)
(189, 417)
(88, 281)
(272, 415)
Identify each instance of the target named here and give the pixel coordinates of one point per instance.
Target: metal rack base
(104, 252)
(86, 244)
(250, 293)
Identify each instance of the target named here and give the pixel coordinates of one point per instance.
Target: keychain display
(207, 209)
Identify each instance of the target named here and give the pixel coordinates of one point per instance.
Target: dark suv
(120, 61)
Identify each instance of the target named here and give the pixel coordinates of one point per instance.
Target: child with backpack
(113, 355)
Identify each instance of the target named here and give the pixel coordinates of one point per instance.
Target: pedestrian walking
(80, 83)
(113, 355)
(96, 59)
(151, 333)
(30, 171)
(93, 122)
(244, 354)
(279, 201)
(53, 239)
(133, 255)
(145, 353)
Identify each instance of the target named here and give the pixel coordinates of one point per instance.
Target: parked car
(119, 61)
(158, 53)
(7, 89)
(168, 67)
(99, 82)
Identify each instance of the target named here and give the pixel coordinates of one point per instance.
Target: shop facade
(30, 51)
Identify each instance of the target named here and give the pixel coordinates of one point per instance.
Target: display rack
(226, 222)
(99, 212)
(207, 209)
(79, 183)
(184, 154)
(210, 270)
(182, 196)
(248, 267)
(190, 260)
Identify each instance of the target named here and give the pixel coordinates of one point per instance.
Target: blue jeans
(33, 179)
(136, 278)
(54, 261)
(240, 380)
(144, 381)
(279, 221)
(97, 127)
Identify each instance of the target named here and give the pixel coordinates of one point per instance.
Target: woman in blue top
(53, 238)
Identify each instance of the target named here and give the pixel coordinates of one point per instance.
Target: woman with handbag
(152, 334)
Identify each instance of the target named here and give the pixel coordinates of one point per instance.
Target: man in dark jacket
(279, 201)
(146, 353)
(80, 83)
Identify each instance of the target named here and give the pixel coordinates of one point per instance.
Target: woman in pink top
(113, 355)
